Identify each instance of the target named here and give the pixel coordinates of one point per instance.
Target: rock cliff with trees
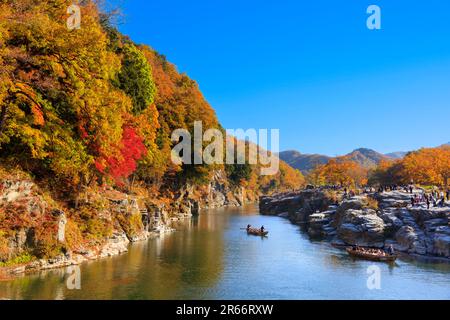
(86, 118)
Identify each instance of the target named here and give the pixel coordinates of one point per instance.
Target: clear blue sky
(311, 68)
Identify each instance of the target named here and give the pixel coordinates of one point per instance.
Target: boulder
(361, 227)
(441, 241)
(442, 245)
(356, 203)
(421, 214)
(411, 240)
(434, 224)
(317, 223)
(393, 199)
(299, 205)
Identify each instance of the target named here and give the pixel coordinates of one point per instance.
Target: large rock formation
(362, 227)
(358, 221)
(39, 234)
(298, 206)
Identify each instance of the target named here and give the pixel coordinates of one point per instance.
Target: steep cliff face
(377, 220)
(24, 216)
(297, 206)
(218, 193)
(39, 232)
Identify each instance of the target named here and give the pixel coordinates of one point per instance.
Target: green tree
(135, 78)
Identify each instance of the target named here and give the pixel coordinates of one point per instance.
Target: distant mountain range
(397, 155)
(368, 158)
(303, 162)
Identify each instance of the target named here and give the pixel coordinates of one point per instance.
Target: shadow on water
(211, 257)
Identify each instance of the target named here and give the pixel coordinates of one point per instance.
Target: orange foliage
(427, 166)
(339, 172)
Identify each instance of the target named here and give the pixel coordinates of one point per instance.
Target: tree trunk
(133, 178)
(3, 117)
(77, 197)
(79, 187)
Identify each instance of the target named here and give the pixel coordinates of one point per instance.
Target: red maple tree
(132, 149)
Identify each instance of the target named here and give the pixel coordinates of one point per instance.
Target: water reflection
(211, 257)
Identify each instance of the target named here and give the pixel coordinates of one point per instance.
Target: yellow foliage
(427, 166)
(339, 172)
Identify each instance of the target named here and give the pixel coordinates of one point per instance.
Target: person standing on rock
(391, 250)
(442, 203)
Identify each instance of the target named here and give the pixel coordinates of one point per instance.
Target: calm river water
(210, 257)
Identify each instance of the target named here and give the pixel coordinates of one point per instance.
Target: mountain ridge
(366, 157)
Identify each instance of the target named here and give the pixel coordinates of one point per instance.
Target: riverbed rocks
(357, 221)
(115, 245)
(297, 206)
(441, 241)
(361, 227)
(319, 224)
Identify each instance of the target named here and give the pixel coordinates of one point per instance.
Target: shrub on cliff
(94, 227)
(131, 224)
(371, 203)
(4, 248)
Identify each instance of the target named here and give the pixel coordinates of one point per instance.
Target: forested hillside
(89, 103)
(89, 110)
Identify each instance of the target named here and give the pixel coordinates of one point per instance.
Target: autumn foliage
(90, 105)
(340, 171)
(428, 166)
(121, 166)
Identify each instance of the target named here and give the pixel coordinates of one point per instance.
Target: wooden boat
(257, 232)
(380, 256)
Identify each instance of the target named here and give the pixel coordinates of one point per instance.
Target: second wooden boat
(374, 256)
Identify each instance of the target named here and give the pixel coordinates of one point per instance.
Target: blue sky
(311, 68)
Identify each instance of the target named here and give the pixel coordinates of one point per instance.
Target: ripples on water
(210, 257)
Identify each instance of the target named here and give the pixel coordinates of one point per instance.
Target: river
(210, 257)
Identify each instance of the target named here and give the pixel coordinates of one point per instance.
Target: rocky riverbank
(38, 233)
(115, 245)
(375, 220)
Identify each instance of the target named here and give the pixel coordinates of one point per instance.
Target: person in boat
(262, 229)
(249, 227)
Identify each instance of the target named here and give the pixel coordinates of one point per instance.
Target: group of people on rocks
(388, 188)
(436, 198)
(395, 187)
(433, 199)
(349, 194)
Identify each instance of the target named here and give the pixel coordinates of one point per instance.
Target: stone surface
(414, 230)
(361, 227)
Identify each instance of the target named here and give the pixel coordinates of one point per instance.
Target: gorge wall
(38, 232)
(373, 220)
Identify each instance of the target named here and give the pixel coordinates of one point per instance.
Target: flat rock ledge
(374, 220)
